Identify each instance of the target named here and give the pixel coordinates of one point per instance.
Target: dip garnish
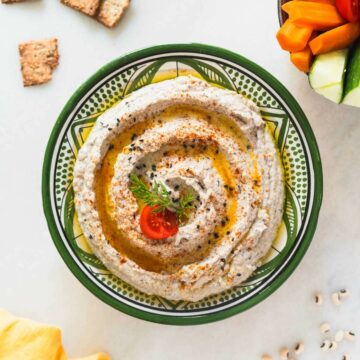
(158, 199)
(158, 225)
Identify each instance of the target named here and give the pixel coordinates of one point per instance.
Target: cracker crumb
(111, 11)
(88, 7)
(38, 59)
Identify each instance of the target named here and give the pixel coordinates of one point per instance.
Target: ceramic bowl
(282, 14)
(284, 118)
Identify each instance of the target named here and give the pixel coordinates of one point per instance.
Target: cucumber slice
(332, 92)
(352, 82)
(327, 74)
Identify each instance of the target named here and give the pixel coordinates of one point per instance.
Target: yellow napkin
(23, 339)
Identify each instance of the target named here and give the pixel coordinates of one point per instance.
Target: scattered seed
(325, 328)
(344, 293)
(333, 345)
(350, 335)
(345, 357)
(318, 299)
(325, 345)
(284, 353)
(339, 336)
(335, 297)
(266, 357)
(299, 348)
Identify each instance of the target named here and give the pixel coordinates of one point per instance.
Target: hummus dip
(187, 135)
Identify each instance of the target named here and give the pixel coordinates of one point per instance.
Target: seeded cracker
(111, 11)
(38, 60)
(88, 7)
(11, 1)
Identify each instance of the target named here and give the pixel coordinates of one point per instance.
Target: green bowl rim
(311, 142)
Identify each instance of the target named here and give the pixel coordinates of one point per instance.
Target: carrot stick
(318, 16)
(330, 2)
(292, 37)
(335, 39)
(288, 6)
(302, 59)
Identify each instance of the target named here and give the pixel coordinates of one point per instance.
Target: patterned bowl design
(285, 120)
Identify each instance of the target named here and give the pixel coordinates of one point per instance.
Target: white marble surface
(34, 280)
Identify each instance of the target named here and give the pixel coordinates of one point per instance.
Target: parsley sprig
(159, 196)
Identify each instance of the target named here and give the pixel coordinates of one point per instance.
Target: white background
(35, 282)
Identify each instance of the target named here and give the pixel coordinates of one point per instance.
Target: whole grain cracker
(11, 1)
(111, 11)
(38, 59)
(88, 7)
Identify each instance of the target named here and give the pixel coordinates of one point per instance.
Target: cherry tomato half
(349, 9)
(158, 225)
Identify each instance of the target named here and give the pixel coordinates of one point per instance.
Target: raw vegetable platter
(323, 39)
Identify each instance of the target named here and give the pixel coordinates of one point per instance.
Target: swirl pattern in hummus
(190, 136)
